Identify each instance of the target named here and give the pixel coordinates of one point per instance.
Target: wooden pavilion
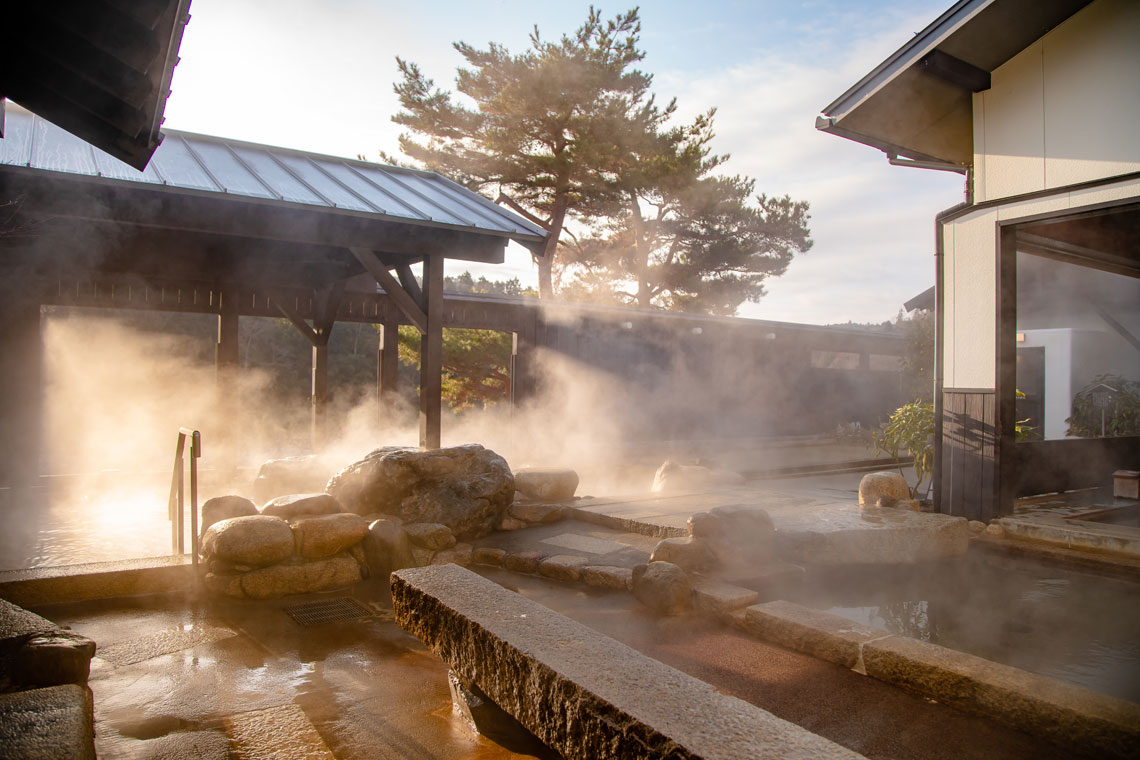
(233, 229)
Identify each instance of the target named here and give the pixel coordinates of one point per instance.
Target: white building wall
(1066, 109)
(969, 245)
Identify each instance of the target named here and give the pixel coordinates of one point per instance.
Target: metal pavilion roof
(187, 162)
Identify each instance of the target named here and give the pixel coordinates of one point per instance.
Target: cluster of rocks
(573, 568)
(294, 544)
(732, 538)
(397, 507)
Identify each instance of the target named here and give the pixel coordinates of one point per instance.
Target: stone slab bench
(581, 693)
(47, 724)
(36, 652)
(1067, 715)
(45, 706)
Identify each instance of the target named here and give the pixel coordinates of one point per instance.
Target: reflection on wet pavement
(173, 679)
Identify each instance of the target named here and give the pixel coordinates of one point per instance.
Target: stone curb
(625, 524)
(96, 580)
(1067, 715)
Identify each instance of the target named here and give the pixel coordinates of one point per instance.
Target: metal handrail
(177, 503)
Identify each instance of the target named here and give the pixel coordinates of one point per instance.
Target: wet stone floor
(177, 679)
(220, 680)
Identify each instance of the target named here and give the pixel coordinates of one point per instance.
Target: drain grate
(327, 611)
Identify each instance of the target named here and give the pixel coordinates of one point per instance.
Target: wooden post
(225, 379)
(21, 390)
(387, 365)
(320, 395)
(431, 355)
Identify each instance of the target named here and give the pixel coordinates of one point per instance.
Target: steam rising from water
(116, 396)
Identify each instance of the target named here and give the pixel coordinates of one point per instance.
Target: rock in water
(882, 489)
(671, 476)
(662, 587)
(225, 507)
(546, 483)
(467, 488)
(737, 536)
(254, 541)
(688, 553)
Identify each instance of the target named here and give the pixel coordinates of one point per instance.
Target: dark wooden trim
(1005, 341)
(1036, 194)
(967, 455)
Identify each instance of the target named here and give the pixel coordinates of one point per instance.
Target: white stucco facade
(1064, 111)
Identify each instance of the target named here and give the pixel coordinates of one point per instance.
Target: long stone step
(581, 693)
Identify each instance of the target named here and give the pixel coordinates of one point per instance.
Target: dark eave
(101, 69)
(918, 103)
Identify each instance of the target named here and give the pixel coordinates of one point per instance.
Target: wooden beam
(408, 280)
(392, 287)
(287, 310)
(955, 71)
(431, 355)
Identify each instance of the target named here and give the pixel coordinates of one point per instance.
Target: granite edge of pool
(1067, 715)
(97, 580)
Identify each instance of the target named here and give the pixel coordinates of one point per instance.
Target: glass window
(1078, 351)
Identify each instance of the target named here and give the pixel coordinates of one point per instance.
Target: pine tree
(543, 128)
(684, 237)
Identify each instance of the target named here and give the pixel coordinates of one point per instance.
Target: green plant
(1023, 432)
(1106, 412)
(910, 429)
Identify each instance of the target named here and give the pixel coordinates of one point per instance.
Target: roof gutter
(830, 125)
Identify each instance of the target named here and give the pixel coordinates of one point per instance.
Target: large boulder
(303, 474)
(883, 489)
(662, 587)
(225, 507)
(737, 536)
(546, 483)
(687, 553)
(250, 541)
(301, 505)
(467, 488)
(326, 535)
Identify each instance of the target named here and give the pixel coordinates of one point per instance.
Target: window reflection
(1078, 351)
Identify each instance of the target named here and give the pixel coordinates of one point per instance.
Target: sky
(317, 75)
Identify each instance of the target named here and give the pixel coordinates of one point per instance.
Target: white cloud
(872, 223)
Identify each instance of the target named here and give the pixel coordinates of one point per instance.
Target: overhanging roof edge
(274, 202)
(913, 50)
